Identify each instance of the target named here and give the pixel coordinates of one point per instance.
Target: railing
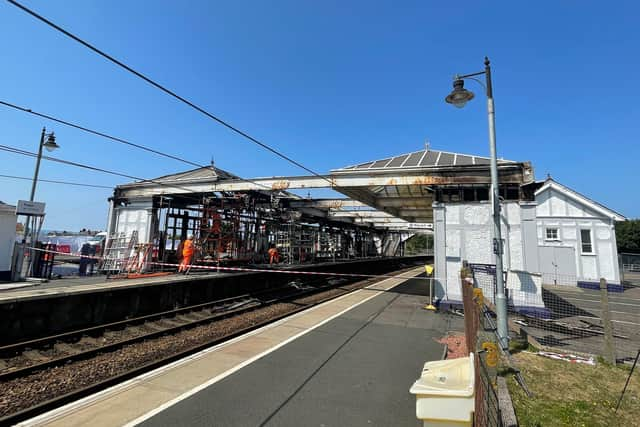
(631, 267)
(479, 338)
(568, 313)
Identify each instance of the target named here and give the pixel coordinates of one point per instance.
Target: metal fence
(479, 338)
(629, 269)
(487, 408)
(568, 314)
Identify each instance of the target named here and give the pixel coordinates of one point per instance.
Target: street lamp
(50, 145)
(459, 97)
(48, 141)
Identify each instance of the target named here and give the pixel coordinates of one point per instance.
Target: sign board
(30, 208)
(483, 268)
(420, 226)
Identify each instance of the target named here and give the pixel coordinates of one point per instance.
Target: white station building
(8, 220)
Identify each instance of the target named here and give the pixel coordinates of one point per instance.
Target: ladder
(118, 252)
(137, 261)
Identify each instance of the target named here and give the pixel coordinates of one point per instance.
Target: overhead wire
(166, 90)
(197, 200)
(26, 153)
(56, 182)
(174, 95)
(118, 140)
(102, 134)
(66, 162)
(140, 180)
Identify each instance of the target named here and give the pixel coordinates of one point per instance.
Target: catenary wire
(110, 172)
(56, 182)
(67, 162)
(93, 168)
(102, 134)
(116, 139)
(97, 169)
(164, 89)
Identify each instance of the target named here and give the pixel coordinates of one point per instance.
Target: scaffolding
(239, 228)
(295, 243)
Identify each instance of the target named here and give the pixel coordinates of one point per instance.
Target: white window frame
(592, 252)
(554, 239)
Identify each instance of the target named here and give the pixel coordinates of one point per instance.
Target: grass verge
(567, 394)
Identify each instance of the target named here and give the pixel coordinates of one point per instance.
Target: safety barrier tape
(64, 253)
(246, 269)
(316, 273)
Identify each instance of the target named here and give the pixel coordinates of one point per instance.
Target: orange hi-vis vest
(187, 249)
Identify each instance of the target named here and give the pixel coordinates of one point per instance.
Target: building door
(558, 265)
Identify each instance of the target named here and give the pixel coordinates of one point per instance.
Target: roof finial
(549, 176)
(427, 144)
(212, 163)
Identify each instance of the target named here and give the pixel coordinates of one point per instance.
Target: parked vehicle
(97, 241)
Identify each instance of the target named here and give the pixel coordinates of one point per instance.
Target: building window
(552, 234)
(585, 239)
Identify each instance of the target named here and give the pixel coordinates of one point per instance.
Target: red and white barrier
(246, 269)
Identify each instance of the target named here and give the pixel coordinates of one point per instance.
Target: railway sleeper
(35, 356)
(65, 348)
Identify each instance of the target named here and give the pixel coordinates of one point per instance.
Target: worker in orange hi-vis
(274, 256)
(187, 254)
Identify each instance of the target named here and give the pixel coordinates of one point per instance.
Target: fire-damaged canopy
(395, 192)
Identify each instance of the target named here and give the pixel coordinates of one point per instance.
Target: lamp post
(50, 145)
(459, 97)
(48, 141)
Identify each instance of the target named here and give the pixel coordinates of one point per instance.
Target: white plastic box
(445, 393)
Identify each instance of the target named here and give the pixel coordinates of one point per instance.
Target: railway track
(26, 357)
(140, 345)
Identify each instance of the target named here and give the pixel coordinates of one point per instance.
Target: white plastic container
(445, 393)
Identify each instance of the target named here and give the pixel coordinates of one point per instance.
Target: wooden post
(470, 323)
(609, 346)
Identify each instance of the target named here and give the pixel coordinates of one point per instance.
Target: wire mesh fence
(569, 313)
(629, 269)
(480, 340)
(577, 319)
(487, 408)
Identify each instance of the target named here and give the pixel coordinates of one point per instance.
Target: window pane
(585, 237)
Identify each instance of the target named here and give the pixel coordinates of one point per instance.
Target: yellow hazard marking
(428, 269)
(478, 296)
(492, 353)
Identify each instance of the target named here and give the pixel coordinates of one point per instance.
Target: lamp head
(459, 96)
(50, 144)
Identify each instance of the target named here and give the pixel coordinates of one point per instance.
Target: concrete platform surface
(25, 291)
(348, 362)
(76, 285)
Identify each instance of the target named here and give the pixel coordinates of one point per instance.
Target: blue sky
(329, 83)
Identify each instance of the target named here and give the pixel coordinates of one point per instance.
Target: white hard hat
(190, 237)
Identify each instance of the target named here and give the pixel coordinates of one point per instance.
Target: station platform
(31, 290)
(349, 361)
(25, 291)
(76, 303)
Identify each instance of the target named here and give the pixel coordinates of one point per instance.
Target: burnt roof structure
(391, 192)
